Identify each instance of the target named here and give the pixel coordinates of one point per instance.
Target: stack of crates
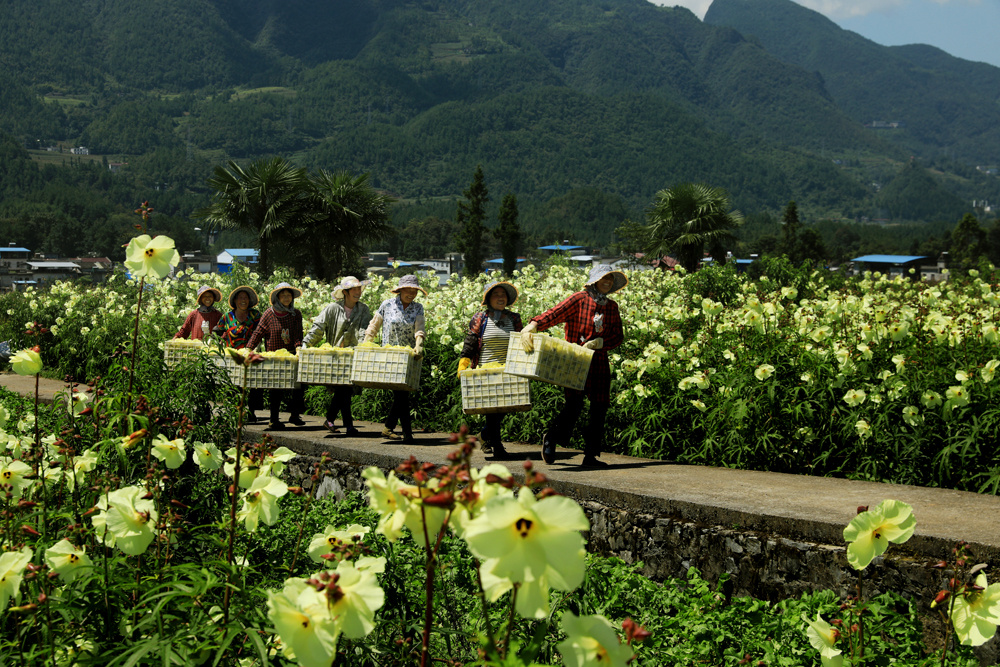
(486, 390)
(325, 365)
(386, 368)
(553, 360)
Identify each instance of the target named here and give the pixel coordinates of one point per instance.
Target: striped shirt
(496, 336)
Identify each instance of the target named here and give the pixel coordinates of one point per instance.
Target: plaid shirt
(577, 313)
(270, 327)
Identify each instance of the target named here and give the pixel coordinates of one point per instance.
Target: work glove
(368, 337)
(526, 339)
(463, 364)
(418, 349)
(595, 344)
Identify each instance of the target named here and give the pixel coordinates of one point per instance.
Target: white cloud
(699, 7)
(833, 9)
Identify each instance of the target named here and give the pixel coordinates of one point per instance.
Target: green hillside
(947, 106)
(598, 103)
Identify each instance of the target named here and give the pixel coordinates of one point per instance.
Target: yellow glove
(526, 339)
(463, 364)
(594, 344)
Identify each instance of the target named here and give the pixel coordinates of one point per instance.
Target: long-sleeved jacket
(338, 330)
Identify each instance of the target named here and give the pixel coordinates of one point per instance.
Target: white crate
(553, 360)
(233, 369)
(486, 390)
(273, 373)
(325, 366)
(176, 349)
(386, 368)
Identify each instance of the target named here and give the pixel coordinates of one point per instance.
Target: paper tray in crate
(325, 365)
(177, 348)
(487, 390)
(386, 368)
(553, 360)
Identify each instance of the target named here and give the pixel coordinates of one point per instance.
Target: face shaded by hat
(251, 295)
(511, 291)
(204, 289)
(602, 270)
(346, 285)
(408, 282)
(296, 292)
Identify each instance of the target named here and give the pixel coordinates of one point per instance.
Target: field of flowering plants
(795, 371)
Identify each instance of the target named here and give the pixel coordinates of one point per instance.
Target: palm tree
(686, 219)
(266, 199)
(345, 215)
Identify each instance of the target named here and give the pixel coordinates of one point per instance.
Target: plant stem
(235, 496)
(135, 338)
(510, 620)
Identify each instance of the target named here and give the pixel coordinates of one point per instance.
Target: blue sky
(968, 29)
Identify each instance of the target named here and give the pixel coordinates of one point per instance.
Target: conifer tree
(471, 218)
(508, 233)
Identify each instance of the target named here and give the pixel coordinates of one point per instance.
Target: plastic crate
(553, 360)
(233, 369)
(176, 349)
(386, 368)
(486, 390)
(274, 373)
(325, 366)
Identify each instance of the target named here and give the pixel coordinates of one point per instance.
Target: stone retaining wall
(765, 566)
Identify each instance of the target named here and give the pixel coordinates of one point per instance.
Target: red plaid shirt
(577, 313)
(269, 330)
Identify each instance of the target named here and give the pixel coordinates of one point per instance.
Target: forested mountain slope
(594, 98)
(948, 106)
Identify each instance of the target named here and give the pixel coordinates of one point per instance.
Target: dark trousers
(340, 404)
(296, 401)
(563, 424)
(491, 433)
(399, 412)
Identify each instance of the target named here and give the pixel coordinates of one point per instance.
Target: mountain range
(586, 99)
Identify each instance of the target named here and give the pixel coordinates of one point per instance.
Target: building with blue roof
(229, 256)
(891, 265)
(13, 266)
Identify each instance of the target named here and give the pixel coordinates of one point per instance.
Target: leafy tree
(508, 233)
(811, 246)
(268, 199)
(968, 243)
(345, 215)
(687, 219)
(471, 216)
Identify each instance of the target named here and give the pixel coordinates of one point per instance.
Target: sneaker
(548, 449)
(388, 434)
(499, 453)
(275, 426)
(485, 447)
(251, 419)
(351, 431)
(329, 426)
(296, 420)
(407, 438)
(593, 462)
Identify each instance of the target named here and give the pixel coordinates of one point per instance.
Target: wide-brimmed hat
(251, 294)
(602, 270)
(511, 291)
(205, 288)
(348, 283)
(408, 281)
(296, 292)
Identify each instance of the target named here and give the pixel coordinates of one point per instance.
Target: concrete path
(815, 509)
